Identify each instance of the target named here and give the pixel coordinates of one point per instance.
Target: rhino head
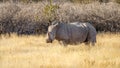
(52, 32)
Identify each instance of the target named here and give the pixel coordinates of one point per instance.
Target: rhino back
(72, 32)
(78, 32)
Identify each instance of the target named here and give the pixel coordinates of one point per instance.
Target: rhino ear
(56, 23)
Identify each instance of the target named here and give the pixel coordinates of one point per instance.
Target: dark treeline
(34, 18)
(78, 1)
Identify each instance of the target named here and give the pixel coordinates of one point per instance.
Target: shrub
(50, 10)
(34, 18)
(7, 11)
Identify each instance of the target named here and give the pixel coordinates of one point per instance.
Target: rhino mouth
(48, 41)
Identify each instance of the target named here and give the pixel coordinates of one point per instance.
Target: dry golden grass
(33, 52)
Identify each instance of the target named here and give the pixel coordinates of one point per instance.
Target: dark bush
(33, 19)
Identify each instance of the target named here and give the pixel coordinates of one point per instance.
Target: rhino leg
(93, 40)
(91, 37)
(90, 40)
(63, 42)
(87, 41)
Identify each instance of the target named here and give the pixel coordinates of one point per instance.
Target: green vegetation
(50, 10)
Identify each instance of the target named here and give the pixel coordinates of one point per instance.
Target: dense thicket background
(32, 17)
(77, 1)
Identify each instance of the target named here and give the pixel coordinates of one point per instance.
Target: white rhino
(71, 33)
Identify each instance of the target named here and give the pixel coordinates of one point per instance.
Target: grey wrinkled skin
(71, 33)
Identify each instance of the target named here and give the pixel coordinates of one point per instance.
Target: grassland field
(34, 52)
